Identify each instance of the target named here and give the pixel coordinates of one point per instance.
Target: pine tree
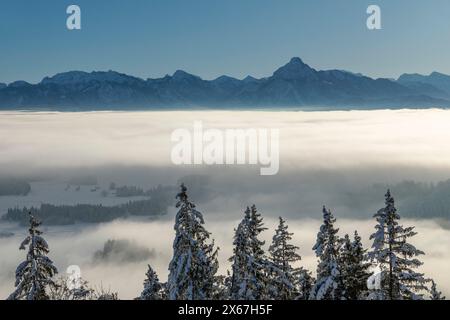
(194, 263)
(153, 289)
(396, 257)
(250, 266)
(435, 294)
(283, 254)
(329, 285)
(34, 275)
(354, 268)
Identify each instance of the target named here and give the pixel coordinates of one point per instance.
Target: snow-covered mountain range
(295, 84)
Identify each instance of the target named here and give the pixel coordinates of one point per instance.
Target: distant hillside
(159, 199)
(414, 199)
(435, 84)
(14, 187)
(293, 85)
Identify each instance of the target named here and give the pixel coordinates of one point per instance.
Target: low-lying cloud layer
(336, 139)
(325, 158)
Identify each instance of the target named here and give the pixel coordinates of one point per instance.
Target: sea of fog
(325, 158)
(324, 140)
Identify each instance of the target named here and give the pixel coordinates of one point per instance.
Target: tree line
(156, 205)
(344, 269)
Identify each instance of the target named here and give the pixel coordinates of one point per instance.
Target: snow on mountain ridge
(293, 84)
(73, 77)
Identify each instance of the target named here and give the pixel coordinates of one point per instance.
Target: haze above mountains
(295, 84)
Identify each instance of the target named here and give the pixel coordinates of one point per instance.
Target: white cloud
(308, 139)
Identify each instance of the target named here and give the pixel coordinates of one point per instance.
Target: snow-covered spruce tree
(304, 283)
(283, 255)
(194, 263)
(354, 267)
(396, 257)
(329, 285)
(435, 294)
(221, 287)
(241, 257)
(226, 285)
(34, 275)
(152, 287)
(249, 264)
(256, 288)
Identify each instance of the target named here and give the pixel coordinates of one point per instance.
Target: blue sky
(151, 38)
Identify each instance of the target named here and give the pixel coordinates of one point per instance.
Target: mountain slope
(436, 84)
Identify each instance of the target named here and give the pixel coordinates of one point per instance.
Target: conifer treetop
(194, 263)
(396, 257)
(34, 275)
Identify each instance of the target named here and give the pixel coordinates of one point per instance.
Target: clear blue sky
(151, 38)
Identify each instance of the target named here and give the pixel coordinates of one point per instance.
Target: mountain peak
(19, 83)
(249, 79)
(434, 77)
(436, 74)
(225, 78)
(294, 69)
(296, 60)
(183, 75)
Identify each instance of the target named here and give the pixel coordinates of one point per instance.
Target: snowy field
(322, 154)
